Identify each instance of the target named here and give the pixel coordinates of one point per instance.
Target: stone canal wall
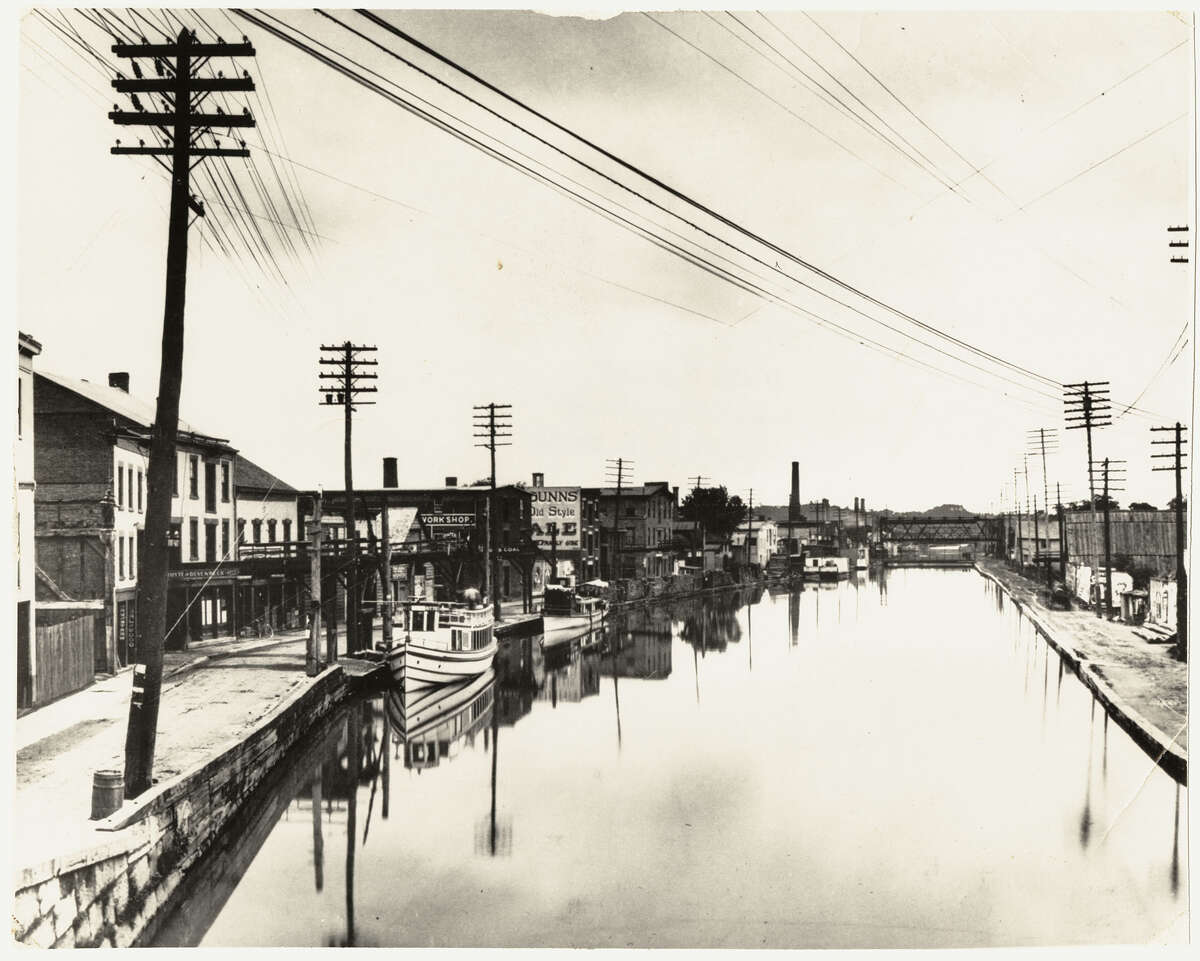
(107, 894)
(625, 593)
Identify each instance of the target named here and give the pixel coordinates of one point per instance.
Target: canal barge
(444, 641)
(567, 614)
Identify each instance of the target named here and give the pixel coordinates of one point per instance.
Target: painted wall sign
(559, 506)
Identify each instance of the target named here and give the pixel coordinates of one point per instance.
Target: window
(241, 530)
(257, 524)
(175, 477)
(120, 485)
(224, 538)
(121, 558)
(210, 487)
(271, 531)
(287, 528)
(210, 541)
(193, 539)
(194, 477)
(139, 491)
(224, 482)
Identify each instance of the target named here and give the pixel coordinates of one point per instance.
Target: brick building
(92, 445)
(645, 531)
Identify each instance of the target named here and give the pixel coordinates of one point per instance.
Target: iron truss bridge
(955, 529)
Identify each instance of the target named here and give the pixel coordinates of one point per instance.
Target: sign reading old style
(559, 506)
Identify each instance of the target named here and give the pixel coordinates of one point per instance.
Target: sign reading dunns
(559, 506)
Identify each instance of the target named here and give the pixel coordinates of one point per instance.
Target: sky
(1021, 206)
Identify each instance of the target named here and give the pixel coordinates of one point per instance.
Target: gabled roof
(252, 477)
(118, 401)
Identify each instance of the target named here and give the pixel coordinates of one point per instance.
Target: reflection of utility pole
(621, 467)
(1180, 526)
(387, 760)
(495, 427)
(318, 840)
(495, 762)
(354, 726)
(347, 375)
(1087, 406)
(697, 484)
(182, 92)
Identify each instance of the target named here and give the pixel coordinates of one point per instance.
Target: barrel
(108, 791)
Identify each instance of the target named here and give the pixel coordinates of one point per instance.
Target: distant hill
(779, 513)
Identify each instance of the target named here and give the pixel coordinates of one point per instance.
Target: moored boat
(443, 641)
(567, 614)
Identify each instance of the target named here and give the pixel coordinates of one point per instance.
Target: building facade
(92, 451)
(23, 522)
(268, 513)
(763, 536)
(644, 530)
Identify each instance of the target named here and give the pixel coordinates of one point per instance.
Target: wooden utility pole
(495, 427)
(342, 388)
(182, 92)
(386, 577)
(1109, 468)
(619, 467)
(1062, 534)
(552, 527)
(1017, 508)
(313, 658)
(1180, 533)
(698, 481)
(1043, 441)
(750, 532)
(1088, 406)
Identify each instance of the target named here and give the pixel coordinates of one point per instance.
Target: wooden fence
(65, 658)
(1147, 538)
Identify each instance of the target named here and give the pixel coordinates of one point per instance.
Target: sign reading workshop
(559, 506)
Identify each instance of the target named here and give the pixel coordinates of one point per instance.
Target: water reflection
(947, 855)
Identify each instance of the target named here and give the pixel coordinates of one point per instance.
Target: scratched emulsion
(877, 763)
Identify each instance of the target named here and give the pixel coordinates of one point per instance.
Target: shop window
(194, 477)
(256, 525)
(224, 482)
(271, 531)
(193, 539)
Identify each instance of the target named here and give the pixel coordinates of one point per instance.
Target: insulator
(220, 75)
(246, 111)
(137, 71)
(116, 106)
(158, 67)
(118, 143)
(141, 143)
(246, 74)
(137, 104)
(219, 110)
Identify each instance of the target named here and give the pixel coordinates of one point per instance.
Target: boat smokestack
(390, 475)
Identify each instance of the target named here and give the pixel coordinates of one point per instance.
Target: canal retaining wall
(106, 894)
(1156, 743)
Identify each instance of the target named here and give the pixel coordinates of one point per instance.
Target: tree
(714, 510)
(1142, 506)
(1174, 504)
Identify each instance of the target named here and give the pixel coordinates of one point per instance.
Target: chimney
(120, 380)
(539, 480)
(389, 472)
(794, 500)
(451, 481)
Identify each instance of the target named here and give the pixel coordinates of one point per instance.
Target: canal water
(894, 761)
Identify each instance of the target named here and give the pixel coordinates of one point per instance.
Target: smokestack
(120, 380)
(389, 472)
(794, 499)
(539, 480)
(451, 481)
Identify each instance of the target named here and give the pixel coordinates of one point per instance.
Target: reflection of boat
(431, 721)
(443, 642)
(567, 614)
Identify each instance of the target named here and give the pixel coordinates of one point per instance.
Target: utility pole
(1088, 406)
(618, 467)
(1044, 440)
(1017, 508)
(749, 533)
(386, 578)
(496, 427)
(344, 383)
(181, 92)
(312, 662)
(699, 480)
(1109, 468)
(553, 529)
(1062, 534)
(1180, 533)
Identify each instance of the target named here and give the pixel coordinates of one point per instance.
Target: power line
(699, 206)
